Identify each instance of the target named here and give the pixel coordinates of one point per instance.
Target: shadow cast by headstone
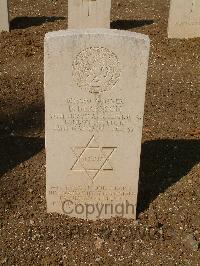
(28, 119)
(15, 150)
(163, 163)
(26, 22)
(130, 24)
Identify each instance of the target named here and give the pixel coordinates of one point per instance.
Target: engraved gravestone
(89, 14)
(4, 21)
(184, 19)
(95, 83)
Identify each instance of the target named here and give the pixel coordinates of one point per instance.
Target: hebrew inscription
(96, 69)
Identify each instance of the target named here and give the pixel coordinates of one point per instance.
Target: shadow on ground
(25, 22)
(15, 150)
(130, 24)
(163, 163)
(26, 120)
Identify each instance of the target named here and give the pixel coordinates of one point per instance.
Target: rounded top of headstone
(98, 31)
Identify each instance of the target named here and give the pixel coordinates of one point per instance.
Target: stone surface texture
(184, 19)
(4, 18)
(89, 14)
(95, 83)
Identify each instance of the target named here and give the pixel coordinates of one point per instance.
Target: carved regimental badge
(96, 69)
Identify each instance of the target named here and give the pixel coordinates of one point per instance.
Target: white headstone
(89, 14)
(95, 83)
(4, 18)
(184, 19)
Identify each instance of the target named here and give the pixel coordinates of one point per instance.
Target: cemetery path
(167, 231)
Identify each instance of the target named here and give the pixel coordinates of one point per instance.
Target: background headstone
(184, 19)
(4, 18)
(89, 14)
(95, 83)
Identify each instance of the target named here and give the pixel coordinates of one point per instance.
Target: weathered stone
(184, 19)
(4, 18)
(89, 14)
(95, 83)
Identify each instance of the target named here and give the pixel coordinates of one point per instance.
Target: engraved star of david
(92, 159)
